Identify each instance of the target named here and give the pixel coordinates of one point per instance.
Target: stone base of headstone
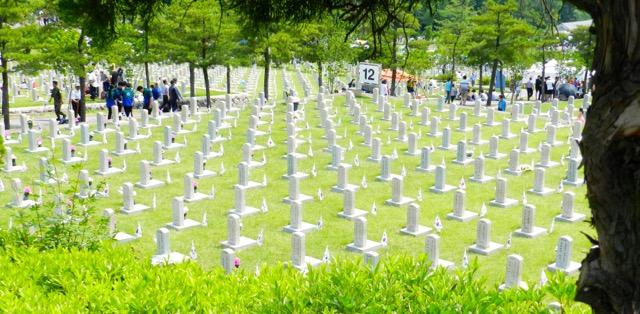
(431, 168)
(188, 223)
(13, 169)
(447, 148)
(545, 191)
(23, 204)
(109, 171)
(168, 259)
(302, 198)
(403, 201)
(37, 150)
(529, 150)
(535, 232)
(508, 202)
(90, 143)
(465, 161)
(444, 264)
(355, 213)
(59, 137)
(173, 146)
(378, 160)
(225, 125)
(437, 134)
(87, 195)
(72, 160)
(508, 136)
(496, 156)
(153, 183)
(184, 132)
(521, 285)
(549, 164)
(137, 208)
(258, 147)
(484, 179)
(309, 262)
(427, 123)
(421, 230)
(573, 268)
(467, 129)
(124, 152)
(387, 179)
(218, 139)
(299, 175)
(250, 185)
(554, 144)
(197, 196)
(576, 217)
(577, 183)
(204, 174)
(298, 156)
(338, 189)
(445, 189)
(490, 249)
(415, 153)
(368, 246)
(466, 216)
(516, 172)
(243, 243)
(9, 142)
(298, 141)
(248, 211)
(49, 181)
(104, 131)
(304, 228)
(212, 155)
(480, 142)
(494, 123)
(139, 137)
(122, 237)
(163, 162)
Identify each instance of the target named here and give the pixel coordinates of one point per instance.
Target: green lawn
(337, 232)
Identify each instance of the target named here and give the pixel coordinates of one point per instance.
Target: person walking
(529, 86)
(127, 100)
(174, 95)
(538, 86)
(464, 90)
(147, 95)
(111, 101)
(56, 96)
(165, 96)
(447, 90)
(75, 102)
(548, 89)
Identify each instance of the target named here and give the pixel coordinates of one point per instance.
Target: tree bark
(319, 74)
(492, 82)
(192, 80)
(207, 92)
(5, 92)
(146, 74)
(544, 81)
(228, 79)
(394, 61)
(480, 82)
(267, 63)
(610, 275)
(82, 106)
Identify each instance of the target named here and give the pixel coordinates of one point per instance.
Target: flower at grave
(13, 160)
(39, 141)
(508, 244)
(385, 238)
(437, 224)
(462, 184)
(30, 123)
(236, 262)
(326, 256)
(320, 223)
(173, 137)
(543, 278)
(109, 162)
(195, 186)
(26, 192)
(465, 260)
(73, 150)
(6, 134)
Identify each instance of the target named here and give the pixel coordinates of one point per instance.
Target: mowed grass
(337, 232)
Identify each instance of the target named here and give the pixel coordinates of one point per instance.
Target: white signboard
(369, 73)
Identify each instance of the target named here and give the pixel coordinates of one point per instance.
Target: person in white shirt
(384, 90)
(548, 89)
(529, 86)
(75, 101)
(164, 89)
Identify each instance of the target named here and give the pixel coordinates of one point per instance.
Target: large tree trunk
(207, 92)
(228, 79)
(267, 64)
(610, 276)
(5, 92)
(192, 80)
(82, 106)
(319, 73)
(146, 74)
(480, 82)
(394, 61)
(492, 82)
(544, 81)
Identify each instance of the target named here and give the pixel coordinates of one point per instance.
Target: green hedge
(118, 280)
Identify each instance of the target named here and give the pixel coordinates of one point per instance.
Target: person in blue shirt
(447, 89)
(147, 94)
(502, 104)
(156, 91)
(111, 101)
(127, 100)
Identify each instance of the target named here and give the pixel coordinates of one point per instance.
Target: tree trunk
(267, 63)
(146, 74)
(5, 92)
(502, 82)
(319, 74)
(480, 82)
(146, 52)
(492, 82)
(228, 79)
(610, 275)
(82, 106)
(192, 80)
(585, 86)
(207, 92)
(394, 61)
(544, 81)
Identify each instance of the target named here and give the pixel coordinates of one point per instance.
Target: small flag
(385, 238)
(411, 125)
(403, 171)
(153, 201)
(462, 184)
(314, 171)
(560, 188)
(508, 244)
(221, 149)
(257, 271)
(264, 179)
(137, 148)
(524, 198)
(2, 186)
(212, 193)
(326, 256)
(205, 222)
(177, 157)
(394, 153)
(483, 210)
(356, 160)
(270, 142)
(124, 165)
(374, 209)
(552, 226)
(307, 126)
(419, 197)
(193, 253)
(10, 222)
(388, 139)
(222, 170)
(264, 207)
(364, 183)
(104, 138)
(543, 278)
(185, 140)
(260, 238)
(310, 151)
(138, 231)
(437, 224)
(264, 158)
(320, 223)
(465, 259)
(320, 194)
(168, 177)
(350, 146)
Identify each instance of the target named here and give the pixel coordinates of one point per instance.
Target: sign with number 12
(369, 73)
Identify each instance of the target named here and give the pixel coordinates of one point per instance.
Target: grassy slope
(337, 232)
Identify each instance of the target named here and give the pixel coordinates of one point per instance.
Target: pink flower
(236, 262)
(27, 190)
